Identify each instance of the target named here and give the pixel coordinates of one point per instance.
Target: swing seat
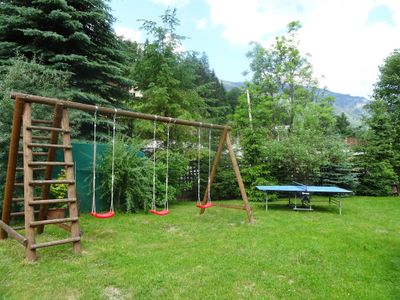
(207, 205)
(105, 215)
(160, 213)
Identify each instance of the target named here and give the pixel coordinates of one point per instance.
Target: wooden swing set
(36, 206)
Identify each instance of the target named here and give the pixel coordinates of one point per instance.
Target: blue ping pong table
(305, 192)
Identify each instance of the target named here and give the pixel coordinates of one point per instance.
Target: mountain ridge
(352, 106)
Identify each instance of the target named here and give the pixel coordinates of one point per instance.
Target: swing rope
(198, 164)
(94, 161)
(209, 202)
(153, 210)
(111, 212)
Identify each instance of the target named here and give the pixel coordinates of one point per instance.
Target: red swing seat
(105, 215)
(163, 212)
(207, 205)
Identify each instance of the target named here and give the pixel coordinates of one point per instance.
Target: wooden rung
(43, 128)
(21, 213)
(19, 184)
(18, 227)
(22, 199)
(32, 145)
(42, 122)
(50, 163)
(41, 182)
(53, 221)
(55, 243)
(35, 153)
(52, 201)
(33, 169)
(39, 137)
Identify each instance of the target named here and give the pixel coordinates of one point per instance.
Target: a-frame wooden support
(23, 118)
(225, 139)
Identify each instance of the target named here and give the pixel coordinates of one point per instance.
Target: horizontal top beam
(111, 111)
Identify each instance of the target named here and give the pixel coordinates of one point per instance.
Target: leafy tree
(380, 158)
(293, 125)
(27, 77)
(71, 36)
(343, 125)
(282, 74)
(232, 97)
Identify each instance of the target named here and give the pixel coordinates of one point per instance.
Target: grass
(284, 255)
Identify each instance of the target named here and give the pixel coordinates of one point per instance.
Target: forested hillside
(353, 107)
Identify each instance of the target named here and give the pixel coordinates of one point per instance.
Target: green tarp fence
(83, 160)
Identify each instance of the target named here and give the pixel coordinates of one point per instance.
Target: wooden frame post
(28, 177)
(12, 164)
(239, 179)
(226, 139)
(69, 172)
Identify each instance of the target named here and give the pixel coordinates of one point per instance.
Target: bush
(133, 175)
(133, 183)
(377, 180)
(27, 77)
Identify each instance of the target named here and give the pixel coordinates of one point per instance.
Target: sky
(347, 39)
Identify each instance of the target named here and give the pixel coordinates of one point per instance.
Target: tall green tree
(294, 123)
(71, 36)
(380, 155)
(381, 144)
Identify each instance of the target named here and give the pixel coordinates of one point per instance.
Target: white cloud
(128, 34)
(178, 3)
(344, 46)
(201, 24)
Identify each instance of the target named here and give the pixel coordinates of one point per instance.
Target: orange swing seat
(105, 215)
(163, 212)
(207, 205)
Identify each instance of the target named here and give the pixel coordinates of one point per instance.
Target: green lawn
(284, 255)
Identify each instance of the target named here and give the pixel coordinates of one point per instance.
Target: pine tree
(72, 36)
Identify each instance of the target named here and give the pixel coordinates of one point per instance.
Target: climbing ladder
(37, 162)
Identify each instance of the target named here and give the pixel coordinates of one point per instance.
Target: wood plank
(69, 172)
(13, 233)
(21, 213)
(48, 182)
(52, 201)
(111, 111)
(43, 128)
(51, 163)
(19, 228)
(55, 243)
(52, 221)
(22, 199)
(11, 165)
(42, 122)
(57, 146)
(33, 169)
(239, 179)
(29, 190)
(41, 138)
(35, 153)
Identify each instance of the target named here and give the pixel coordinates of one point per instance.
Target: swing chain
(198, 161)
(209, 164)
(113, 161)
(94, 160)
(153, 203)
